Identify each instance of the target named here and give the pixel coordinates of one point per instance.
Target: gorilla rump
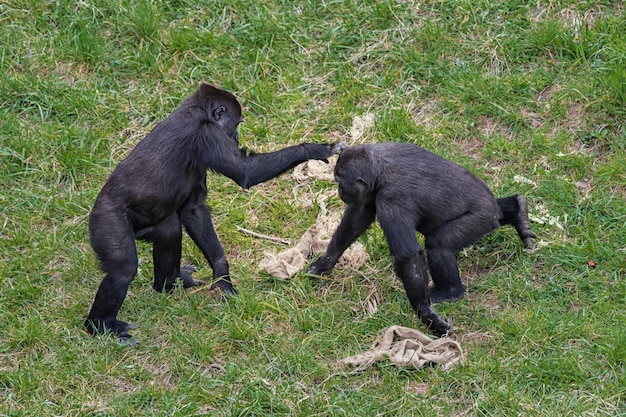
(161, 187)
(408, 188)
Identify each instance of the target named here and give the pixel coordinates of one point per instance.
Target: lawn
(530, 96)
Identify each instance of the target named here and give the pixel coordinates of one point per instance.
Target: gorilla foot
(521, 224)
(117, 327)
(437, 325)
(321, 266)
(447, 294)
(123, 337)
(128, 341)
(225, 287)
(186, 272)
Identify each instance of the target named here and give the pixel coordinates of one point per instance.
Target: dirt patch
(574, 122)
(570, 16)
(472, 147)
(162, 376)
(70, 72)
(476, 338)
(425, 114)
(575, 117)
(124, 385)
(487, 126)
(578, 147)
(485, 299)
(532, 118)
(471, 273)
(547, 93)
(419, 388)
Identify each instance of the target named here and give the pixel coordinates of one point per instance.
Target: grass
(530, 96)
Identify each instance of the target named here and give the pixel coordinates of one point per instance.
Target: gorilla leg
(196, 217)
(445, 274)
(412, 272)
(410, 266)
(186, 275)
(441, 246)
(113, 242)
(514, 211)
(166, 238)
(354, 223)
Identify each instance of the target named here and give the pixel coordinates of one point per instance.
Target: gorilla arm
(355, 221)
(248, 170)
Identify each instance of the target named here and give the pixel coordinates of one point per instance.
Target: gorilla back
(161, 188)
(408, 188)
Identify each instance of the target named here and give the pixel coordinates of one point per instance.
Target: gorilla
(410, 189)
(160, 187)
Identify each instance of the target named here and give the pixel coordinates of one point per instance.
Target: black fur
(408, 188)
(161, 187)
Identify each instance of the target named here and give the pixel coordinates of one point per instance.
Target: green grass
(535, 89)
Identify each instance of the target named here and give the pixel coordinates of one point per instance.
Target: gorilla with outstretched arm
(161, 187)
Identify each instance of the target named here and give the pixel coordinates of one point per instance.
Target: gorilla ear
(218, 112)
(361, 182)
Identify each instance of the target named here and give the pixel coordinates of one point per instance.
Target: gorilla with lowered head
(408, 188)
